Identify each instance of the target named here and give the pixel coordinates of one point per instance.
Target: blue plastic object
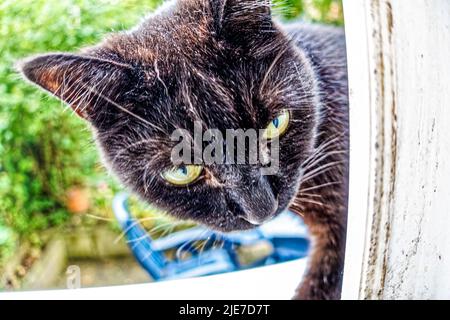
(286, 234)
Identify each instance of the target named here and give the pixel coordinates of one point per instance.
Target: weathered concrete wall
(51, 263)
(399, 219)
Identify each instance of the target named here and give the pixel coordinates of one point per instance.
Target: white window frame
(398, 239)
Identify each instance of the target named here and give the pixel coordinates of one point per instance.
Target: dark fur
(228, 65)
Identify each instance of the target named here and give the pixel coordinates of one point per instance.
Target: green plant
(327, 11)
(8, 242)
(44, 149)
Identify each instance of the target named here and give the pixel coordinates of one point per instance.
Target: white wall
(399, 219)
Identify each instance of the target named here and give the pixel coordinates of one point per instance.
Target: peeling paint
(406, 252)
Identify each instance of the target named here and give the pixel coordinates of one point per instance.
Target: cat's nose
(256, 202)
(259, 217)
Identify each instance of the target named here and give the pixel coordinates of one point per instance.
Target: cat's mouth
(254, 216)
(254, 221)
(258, 221)
(243, 222)
(246, 223)
(251, 221)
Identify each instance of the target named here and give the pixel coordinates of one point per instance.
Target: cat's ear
(80, 81)
(245, 17)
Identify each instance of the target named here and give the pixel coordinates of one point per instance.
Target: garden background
(51, 179)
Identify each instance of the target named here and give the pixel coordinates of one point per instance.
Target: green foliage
(326, 11)
(44, 149)
(7, 242)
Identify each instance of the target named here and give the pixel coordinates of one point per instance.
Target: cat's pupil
(183, 170)
(276, 122)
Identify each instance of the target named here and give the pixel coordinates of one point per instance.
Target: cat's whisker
(321, 170)
(312, 195)
(144, 178)
(322, 158)
(319, 159)
(222, 244)
(153, 230)
(319, 203)
(321, 149)
(213, 246)
(169, 230)
(135, 222)
(165, 225)
(93, 216)
(297, 209)
(124, 109)
(202, 248)
(179, 250)
(317, 153)
(137, 240)
(147, 235)
(320, 186)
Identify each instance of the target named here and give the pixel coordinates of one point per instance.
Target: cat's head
(226, 65)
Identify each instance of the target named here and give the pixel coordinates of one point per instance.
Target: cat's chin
(239, 224)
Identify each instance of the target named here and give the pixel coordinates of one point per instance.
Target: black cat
(227, 65)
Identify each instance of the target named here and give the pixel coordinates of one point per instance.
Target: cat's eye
(182, 175)
(277, 126)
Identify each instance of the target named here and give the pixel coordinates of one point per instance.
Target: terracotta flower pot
(77, 200)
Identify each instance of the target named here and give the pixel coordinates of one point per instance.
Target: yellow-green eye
(182, 175)
(277, 126)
